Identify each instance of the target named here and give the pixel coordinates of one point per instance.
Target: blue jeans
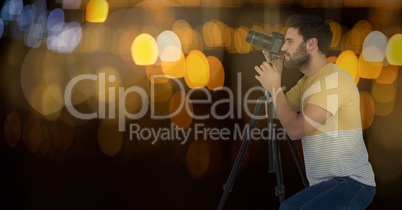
(336, 193)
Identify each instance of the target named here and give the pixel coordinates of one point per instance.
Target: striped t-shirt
(336, 148)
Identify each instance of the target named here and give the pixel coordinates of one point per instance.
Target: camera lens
(259, 39)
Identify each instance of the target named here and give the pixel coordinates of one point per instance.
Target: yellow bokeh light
(97, 11)
(217, 73)
(229, 40)
(155, 74)
(337, 34)
(208, 33)
(383, 93)
(109, 138)
(144, 50)
(368, 69)
(367, 109)
(180, 110)
(388, 75)
(240, 40)
(332, 59)
(384, 109)
(12, 129)
(174, 69)
(198, 158)
(347, 60)
(109, 81)
(394, 50)
(197, 69)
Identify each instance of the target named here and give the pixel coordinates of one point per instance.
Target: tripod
(275, 164)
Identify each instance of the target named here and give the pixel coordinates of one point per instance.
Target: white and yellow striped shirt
(336, 148)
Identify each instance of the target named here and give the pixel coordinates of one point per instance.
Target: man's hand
(270, 75)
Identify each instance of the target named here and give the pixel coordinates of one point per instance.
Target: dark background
(84, 178)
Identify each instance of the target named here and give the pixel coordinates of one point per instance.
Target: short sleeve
(294, 94)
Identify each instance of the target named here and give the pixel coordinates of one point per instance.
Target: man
(323, 111)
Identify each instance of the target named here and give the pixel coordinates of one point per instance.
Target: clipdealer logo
(199, 130)
(328, 86)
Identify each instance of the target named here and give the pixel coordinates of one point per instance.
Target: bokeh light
(347, 60)
(337, 34)
(217, 73)
(369, 69)
(181, 110)
(144, 50)
(109, 138)
(45, 99)
(12, 129)
(197, 69)
(62, 135)
(155, 74)
(198, 158)
(394, 50)
(383, 93)
(388, 75)
(176, 69)
(367, 109)
(71, 4)
(240, 41)
(97, 11)
(169, 45)
(374, 47)
(32, 133)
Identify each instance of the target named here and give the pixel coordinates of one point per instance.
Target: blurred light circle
(347, 60)
(144, 50)
(97, 11)
(369, 69)
(197, 69)
(110, 139)
(374, 46)
(175, 69)
(367, 109)
(34, 36)
(198, 158)
(55, 20)
(12, 129)
(32, 134)
(388, 75)
(169, 46)
(217, 73)
(180, 110)
(35, 90)
(393, 50)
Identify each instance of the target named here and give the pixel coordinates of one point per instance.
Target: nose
(284, 47)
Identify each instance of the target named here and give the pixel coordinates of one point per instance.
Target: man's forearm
(287, 116)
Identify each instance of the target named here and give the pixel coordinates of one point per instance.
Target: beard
(298, 59)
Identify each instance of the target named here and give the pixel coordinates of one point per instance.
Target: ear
(312, 44)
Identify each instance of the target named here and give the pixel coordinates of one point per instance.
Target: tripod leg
(280, 188)
(229, 184)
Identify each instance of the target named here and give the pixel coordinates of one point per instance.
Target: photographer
(323, 110)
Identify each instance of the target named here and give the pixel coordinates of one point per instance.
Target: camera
(272, 43)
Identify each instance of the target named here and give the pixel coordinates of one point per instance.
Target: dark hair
(311, 26)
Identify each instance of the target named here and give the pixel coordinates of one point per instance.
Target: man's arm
(297, 125)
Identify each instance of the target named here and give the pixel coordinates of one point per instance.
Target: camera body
(272, 43)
